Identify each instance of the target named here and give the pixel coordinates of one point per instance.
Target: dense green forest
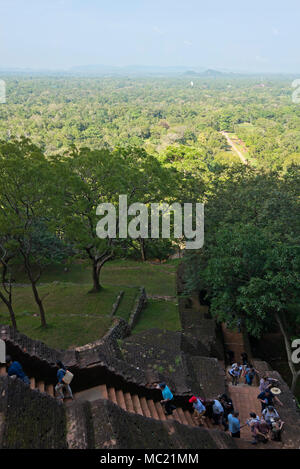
(69, 143)
(155, 113)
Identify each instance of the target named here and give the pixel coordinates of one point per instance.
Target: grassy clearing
(158, 279)
(75, 317)
(160, 315)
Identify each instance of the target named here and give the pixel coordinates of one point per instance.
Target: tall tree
(27, 194)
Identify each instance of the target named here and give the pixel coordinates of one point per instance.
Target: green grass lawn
(76, 317)
(158, 279)
(160, 315)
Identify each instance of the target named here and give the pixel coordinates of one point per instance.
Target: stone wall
(117, 303)
(140, 303)
(30, 419)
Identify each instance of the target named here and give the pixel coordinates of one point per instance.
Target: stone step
(112, 395)
(103, 391)
(152, 408)
(174, 416)
(144, 406)
(137, 405)
(120, 399)
(182, 416)
(32, 383)
(189, 418)
(41, 386)
(129, 403)
(160, 411)
(50, 389)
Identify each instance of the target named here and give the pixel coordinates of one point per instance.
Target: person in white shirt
(269, 414)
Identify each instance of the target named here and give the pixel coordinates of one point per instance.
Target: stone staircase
(129, 402)
(38, 385)
(137, 404)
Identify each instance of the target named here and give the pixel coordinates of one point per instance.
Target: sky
(233, 35)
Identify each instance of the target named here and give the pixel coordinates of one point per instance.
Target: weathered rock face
(29, 419)
(159, 354)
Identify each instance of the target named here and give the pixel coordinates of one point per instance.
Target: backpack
(68, 377)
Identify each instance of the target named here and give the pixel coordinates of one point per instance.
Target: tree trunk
(98, 263)
(294, 372)
(143, 252)
(11, 311)
(39, 303)
(96, 282)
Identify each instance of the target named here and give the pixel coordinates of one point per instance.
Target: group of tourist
(220, 411)
(243, 369)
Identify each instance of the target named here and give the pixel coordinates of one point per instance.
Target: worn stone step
(189, 417)
(137, 404)
(152, 408)
(120, 399)
(174, 416)
(103, 391)
(112, 395)
(41, 386)
(32, 383)
(128, 402)
(182, 416)
(144, 406)
(160, 411)
(50, 389)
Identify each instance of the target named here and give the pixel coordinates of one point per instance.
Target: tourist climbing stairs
(136, 404)
(34, 384)
(129, 402)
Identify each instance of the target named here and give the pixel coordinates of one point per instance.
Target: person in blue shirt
(234, 425)
(267, 398)
(15, 369)
(199, 409)
(59, 388)
(168, 399)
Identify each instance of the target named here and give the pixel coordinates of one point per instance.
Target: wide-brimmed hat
(275, 391)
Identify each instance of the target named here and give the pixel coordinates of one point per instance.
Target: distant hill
(212, 73)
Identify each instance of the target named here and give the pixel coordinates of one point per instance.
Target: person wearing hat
(267, 398)
(15, 369)
(199, 409)
(168, 398)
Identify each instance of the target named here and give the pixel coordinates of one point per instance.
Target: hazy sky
(258, 35)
